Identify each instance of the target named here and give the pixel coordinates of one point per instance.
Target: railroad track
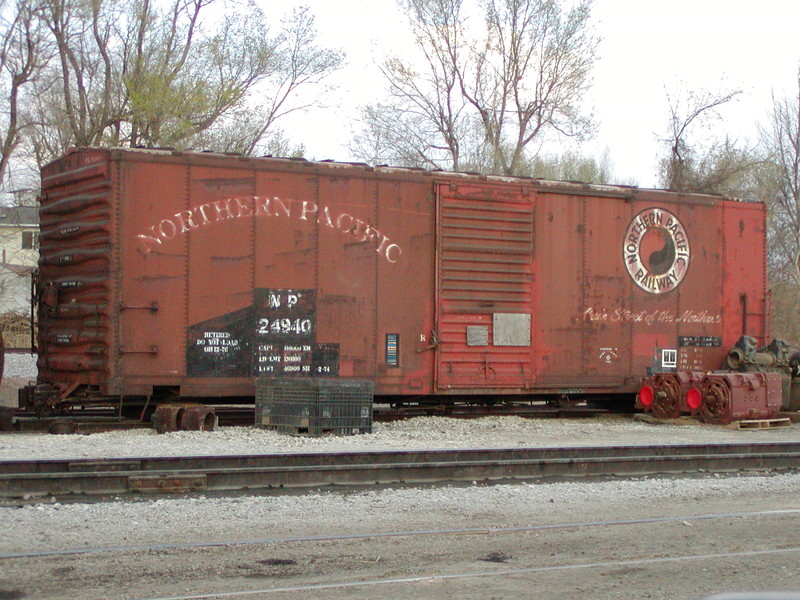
(64, 478)
(93, 420)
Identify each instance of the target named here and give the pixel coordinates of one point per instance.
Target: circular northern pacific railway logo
(656, 250)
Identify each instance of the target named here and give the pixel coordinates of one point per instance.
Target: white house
(19, 256)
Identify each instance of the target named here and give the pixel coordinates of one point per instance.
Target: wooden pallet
(760, 423)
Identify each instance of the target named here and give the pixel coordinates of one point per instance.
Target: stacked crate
(314, 406)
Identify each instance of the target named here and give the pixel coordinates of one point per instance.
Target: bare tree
(779, 182)
(23, 53)
(300, 63)
(165, 100)
(531, 76)
(781, 141)
(522, 76)
(87, 78)
(203, 96)
(573, 166)
(424, 122)
(399, 135)
(143, 73)
(768, 173)
(686, 168)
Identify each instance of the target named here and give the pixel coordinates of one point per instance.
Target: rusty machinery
(755, 383)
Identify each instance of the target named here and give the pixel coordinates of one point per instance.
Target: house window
(30, 240)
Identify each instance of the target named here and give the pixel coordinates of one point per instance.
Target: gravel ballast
(19, 365)
(126, 528)
(52, 526)
(417, 433)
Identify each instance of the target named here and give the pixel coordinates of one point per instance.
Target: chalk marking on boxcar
(649, 318)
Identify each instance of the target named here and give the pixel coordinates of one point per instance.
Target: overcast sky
(647, 48)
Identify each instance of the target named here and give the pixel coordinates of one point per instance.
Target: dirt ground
(659, 539)
(690, 545)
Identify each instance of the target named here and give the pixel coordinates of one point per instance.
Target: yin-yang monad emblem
(656, 250)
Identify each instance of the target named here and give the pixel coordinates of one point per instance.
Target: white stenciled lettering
(279, 205)
(222, 209)
(393, 250)
(285, 326)
(227, 209)
(167, 229)
(360, 230)
(382, 246)
(370, 234)
(202, 208)
(309, 208)
(339, 221)
(262, 206)
(148, 242)
(185, 220)
(328, 220)
(218, 342)
(590, 314)
(244, 206)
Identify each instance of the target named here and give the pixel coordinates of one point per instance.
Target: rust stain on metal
(103, 466)
(155, 484)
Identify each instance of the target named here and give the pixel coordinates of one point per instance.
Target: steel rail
(275, 471)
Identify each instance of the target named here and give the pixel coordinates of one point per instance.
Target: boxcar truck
(168, 275)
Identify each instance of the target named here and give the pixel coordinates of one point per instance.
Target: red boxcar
(167, 273)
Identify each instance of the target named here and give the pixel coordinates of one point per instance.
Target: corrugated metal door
(484, 280)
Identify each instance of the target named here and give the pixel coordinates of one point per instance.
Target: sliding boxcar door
(484, 252)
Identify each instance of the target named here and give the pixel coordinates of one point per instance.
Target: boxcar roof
(353, 169)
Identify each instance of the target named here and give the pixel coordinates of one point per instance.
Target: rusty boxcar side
(166, 273)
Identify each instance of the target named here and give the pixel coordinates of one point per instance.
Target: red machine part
(666, 403)
(646, 394)
(668, 395)
(694, 398)
(671, 396)
(728, 397)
